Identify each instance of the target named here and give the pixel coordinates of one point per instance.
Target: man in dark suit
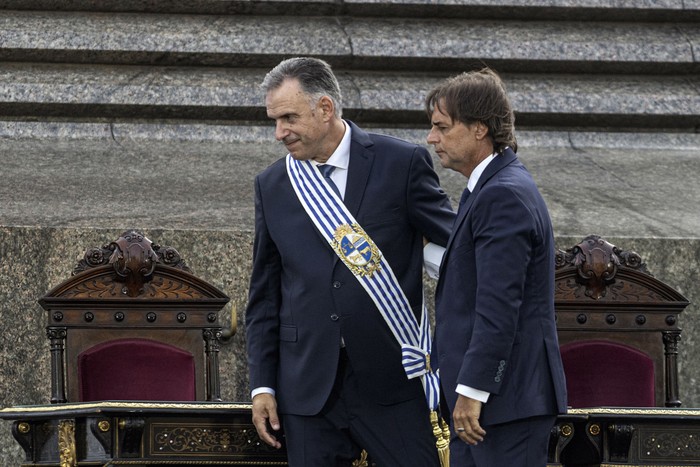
(495, 336)
(321, 356)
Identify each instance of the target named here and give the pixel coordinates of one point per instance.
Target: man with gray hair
(336, 287)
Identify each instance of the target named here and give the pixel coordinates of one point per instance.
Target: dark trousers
(521, 443)
(397, 435)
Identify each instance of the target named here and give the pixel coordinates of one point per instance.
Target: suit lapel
(498, 163)
(359, 168)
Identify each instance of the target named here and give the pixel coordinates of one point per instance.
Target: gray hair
(315, 78)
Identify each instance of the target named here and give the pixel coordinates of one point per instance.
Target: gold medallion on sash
(356, 249)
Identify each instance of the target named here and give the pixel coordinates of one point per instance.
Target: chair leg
(671, 340)
(212, 338)
(57, 337)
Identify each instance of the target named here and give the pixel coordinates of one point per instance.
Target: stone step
(31, 90)
(392, 43)
(605, 10)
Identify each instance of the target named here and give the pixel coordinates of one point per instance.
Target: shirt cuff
(261, 390)
(432, 257)
(466, 391)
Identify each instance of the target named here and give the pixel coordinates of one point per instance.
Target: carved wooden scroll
(597, 262)
(134, 258)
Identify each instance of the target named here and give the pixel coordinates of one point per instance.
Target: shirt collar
(478, 170)
(341, 156)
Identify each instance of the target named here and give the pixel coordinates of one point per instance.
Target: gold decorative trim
(594, 429)
(66, 443)
(127, 406)
(24, 427)
(635, 411)
(53, 464)
(213, 439)
(668, 443)
(362, 461)
(567, 430)
(196, 462)
(104, 426)
(644, 465)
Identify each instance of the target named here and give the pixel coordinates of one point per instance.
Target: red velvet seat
(136, 369)
(602, 373)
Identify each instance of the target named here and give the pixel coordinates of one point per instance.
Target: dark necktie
(326, 171)
(465, 195)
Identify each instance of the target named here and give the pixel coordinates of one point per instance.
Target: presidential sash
(364, 259)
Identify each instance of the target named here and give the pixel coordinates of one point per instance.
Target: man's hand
(264, 411)
(466, 420)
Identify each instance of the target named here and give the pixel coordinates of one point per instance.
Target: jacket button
(334, 317)
(336, 284)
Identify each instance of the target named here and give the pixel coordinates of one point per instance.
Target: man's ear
(327, 107)
(481, 130)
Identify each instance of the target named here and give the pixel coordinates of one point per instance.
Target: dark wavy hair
(315, 77)
(477, 96)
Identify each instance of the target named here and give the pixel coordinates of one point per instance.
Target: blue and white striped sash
(357, 251)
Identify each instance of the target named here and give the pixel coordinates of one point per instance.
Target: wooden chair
(618, 328)
(619, 337)
(134, 323)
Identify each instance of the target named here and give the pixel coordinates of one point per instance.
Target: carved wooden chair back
(134, 322)
(608, 304)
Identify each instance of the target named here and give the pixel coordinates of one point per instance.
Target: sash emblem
(356, 249)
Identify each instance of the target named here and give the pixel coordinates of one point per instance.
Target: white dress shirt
(340, 159)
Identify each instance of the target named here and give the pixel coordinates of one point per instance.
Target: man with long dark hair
(495, 336)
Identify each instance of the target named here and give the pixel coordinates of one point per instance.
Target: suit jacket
(303, 298)
(495, 328)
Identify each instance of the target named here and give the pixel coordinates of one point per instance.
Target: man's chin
(449, 164)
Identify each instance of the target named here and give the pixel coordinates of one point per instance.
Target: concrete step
(395, 43)
(206, 94)
(605, 10)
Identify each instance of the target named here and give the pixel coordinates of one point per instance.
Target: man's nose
(431, 139)
(280, 131)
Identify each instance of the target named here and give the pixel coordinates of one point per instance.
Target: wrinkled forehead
(439, 113)
(285, 99)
